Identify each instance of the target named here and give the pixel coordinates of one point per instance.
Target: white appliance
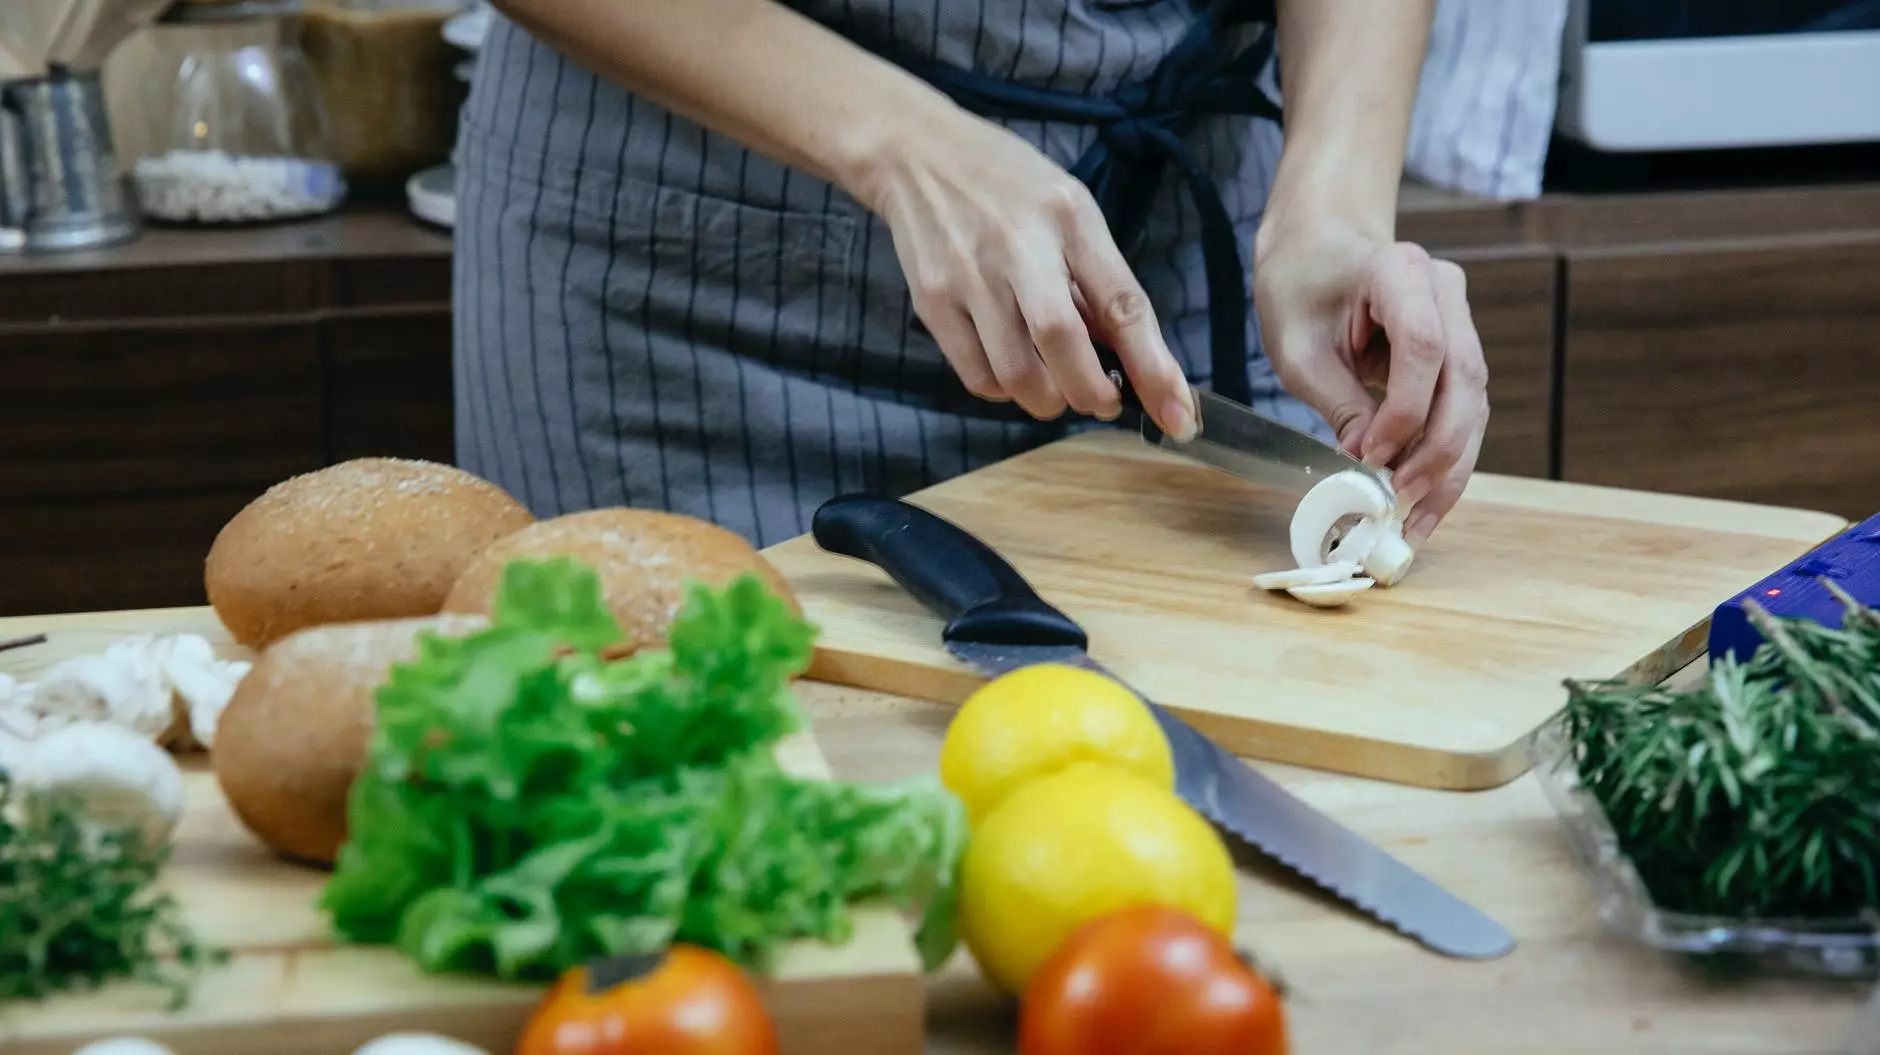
(1664, 75)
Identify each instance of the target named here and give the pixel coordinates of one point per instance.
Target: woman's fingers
(1399, 294)
(1120, 312)
(995, 239)
(1014, 359)
(953, 330)
(1459, 408)
(1058, 331)
(1442, 498)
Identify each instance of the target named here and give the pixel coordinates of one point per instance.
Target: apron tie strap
(1139, 129)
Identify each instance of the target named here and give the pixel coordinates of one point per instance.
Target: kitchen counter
(1567, 989)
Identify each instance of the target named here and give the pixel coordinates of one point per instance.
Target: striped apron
(648, 314)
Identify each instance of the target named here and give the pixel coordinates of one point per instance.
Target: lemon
(1067, 848)
(1039, 719)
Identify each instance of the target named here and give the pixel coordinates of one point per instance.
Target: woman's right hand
(1015, 273)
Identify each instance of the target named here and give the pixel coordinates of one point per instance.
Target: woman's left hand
(1341, 314)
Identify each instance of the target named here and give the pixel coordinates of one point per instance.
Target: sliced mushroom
(1331, 595)
(1333, 499)
(1390, 556)
(1322, 575)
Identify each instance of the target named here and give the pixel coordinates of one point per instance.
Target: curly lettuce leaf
(528, 804)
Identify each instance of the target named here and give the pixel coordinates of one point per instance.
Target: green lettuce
(527, 803)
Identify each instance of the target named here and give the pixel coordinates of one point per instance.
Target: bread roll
(294, 735)
(644, 559)
(372, 538)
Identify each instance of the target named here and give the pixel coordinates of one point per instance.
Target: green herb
(78, 907)
(528, 804)
(1757, 795)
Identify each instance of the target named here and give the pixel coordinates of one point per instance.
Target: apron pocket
(763, 283)
(713, 272)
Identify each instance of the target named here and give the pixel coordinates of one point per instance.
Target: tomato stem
(607, 972)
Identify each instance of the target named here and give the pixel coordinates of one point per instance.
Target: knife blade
(997, 623)
(1243, 442)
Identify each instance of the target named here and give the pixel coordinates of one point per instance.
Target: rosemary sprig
(78, 908)
(1758, 794)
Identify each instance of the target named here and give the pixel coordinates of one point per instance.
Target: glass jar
(385, 72)
(247, 137)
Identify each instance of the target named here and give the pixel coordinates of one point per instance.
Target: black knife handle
(1134, 414)
(944, 567)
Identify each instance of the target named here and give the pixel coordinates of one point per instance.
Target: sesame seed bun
(294, 735)
(644, 559)
(367, 539)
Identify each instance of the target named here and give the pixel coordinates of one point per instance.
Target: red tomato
(1149, 981)
(686, 1001)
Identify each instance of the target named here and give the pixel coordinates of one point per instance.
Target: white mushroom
(124, 1046)
(202, 683)
(1346, 496)
(119, 777)
(418, 1044)
(171, 689)
(1331, 595)
(19, 731)
(1390, 556)
(1319, 576)
(123, 684)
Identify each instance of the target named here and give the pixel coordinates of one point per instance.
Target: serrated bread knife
(997, 624)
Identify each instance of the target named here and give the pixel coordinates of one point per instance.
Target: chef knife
(996, 624)
(1244, 442)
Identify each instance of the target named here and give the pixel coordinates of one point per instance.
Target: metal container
(61, 186)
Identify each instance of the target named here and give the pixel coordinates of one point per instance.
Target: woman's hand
(1341, 314)
(1014, 271)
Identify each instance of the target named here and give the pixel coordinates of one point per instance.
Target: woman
(733, 257)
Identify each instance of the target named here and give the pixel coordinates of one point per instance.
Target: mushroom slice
(1331, 595)
(1323, 575)
(1390, 556)
(1333, 499)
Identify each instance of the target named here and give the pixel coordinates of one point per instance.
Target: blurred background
(225, 254)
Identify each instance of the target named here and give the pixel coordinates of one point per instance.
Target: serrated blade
(1267, 817)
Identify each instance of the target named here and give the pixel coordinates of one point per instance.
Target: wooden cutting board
(289, 990)
(1435, 682)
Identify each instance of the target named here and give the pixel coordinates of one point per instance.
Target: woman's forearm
(1349, 71)
(753, 70)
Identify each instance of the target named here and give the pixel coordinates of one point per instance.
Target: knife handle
(1134, 414)
(958, 577)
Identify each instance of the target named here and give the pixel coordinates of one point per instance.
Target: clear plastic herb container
(1867, 1027)
(1847, 947)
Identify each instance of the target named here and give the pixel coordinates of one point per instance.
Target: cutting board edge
(1438, 768)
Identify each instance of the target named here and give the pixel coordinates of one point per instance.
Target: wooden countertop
(368, 230)
(1567, 989)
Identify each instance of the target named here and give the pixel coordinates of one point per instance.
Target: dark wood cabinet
(152, 390)
(1749, 372)
(388, 379)
(1511, 296)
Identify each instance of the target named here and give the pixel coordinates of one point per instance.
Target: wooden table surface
(1568, 988)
